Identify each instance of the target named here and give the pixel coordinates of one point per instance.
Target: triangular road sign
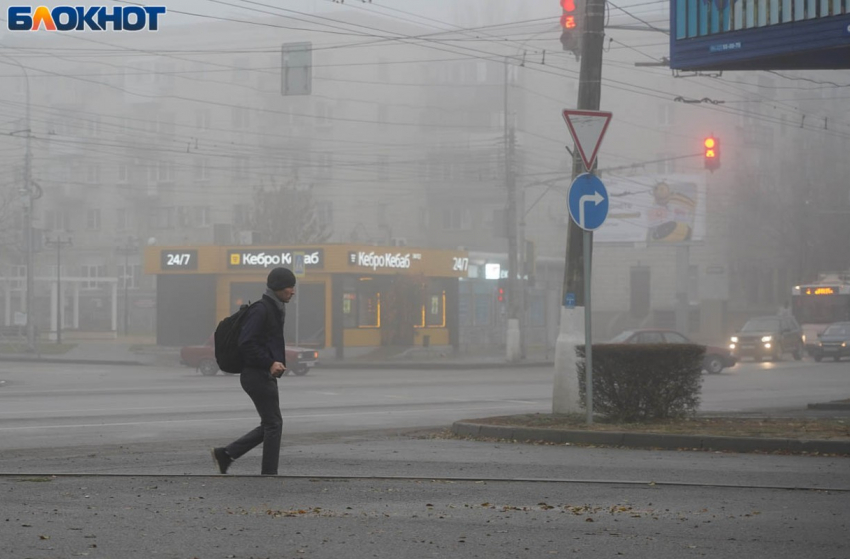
(587, 129)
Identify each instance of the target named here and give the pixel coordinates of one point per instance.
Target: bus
(820, 303)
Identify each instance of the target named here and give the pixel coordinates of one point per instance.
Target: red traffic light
(500, 294)
(711, 153)
(571, 18)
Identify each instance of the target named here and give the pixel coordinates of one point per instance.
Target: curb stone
(830, 406)
(649, 440)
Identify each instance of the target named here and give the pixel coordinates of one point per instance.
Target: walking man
(262, 347)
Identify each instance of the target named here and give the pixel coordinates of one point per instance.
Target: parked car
(716, 358)
(202, 357)
(768, 336)
(833, 342)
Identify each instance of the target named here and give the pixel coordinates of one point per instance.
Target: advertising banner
(654, 209)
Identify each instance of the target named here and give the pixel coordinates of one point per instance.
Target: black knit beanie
(280, 278)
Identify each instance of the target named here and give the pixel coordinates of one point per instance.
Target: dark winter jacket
(261, 340)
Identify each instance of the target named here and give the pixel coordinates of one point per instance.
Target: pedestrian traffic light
(711, 153)
(571, 25)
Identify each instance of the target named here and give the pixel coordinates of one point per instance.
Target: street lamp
(27, 193)
(129, 248)
(58, 241)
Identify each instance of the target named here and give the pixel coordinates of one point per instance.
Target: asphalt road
(48, 406)
(360, 481)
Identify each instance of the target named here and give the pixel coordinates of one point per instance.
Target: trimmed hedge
(633, 383)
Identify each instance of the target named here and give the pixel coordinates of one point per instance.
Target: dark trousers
(261, 386)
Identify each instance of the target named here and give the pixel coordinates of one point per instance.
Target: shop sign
(178, 259)
(382, 260)
(313, 258)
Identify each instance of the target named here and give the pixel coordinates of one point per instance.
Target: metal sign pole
(588, 354)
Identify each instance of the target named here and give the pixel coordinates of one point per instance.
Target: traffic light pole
(565, 397)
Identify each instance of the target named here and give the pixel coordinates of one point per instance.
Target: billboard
(718, 35)
(653, 209)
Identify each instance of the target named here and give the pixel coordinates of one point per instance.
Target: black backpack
(226, 340)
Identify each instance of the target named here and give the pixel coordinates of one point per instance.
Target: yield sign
(587, 129)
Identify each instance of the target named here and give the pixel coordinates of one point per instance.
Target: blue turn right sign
(588, 201)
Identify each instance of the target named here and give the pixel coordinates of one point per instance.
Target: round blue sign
(588, 202)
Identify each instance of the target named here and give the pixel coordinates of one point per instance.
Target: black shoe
(221, 458)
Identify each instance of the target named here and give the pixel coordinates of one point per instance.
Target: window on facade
(325, 213)
(123, 173)
(481, 72)
(241, 117)
(162, 218)
(457, 219)
(382, 167)
(203, 119)
(164, 72)
(92, 272)
(122, 219)
(201, 216)
(93, 219)
(693, 284)
(57, 220)
(665, 114)
(129, 275)
(241, 71)
(91, 126)
(242, 216)
(665, 164)
(93, 174)
(383, 110)
(324, 164)
(165, 172)
(324, 113)
(240, 167)
(202, 169)
(165, 124)
(19, 273)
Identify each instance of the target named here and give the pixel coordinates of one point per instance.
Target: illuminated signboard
(819, 291)
(179, 259)
(382, 260)
(270, 258)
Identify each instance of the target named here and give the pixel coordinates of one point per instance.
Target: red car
(202, 357)
(716, 358)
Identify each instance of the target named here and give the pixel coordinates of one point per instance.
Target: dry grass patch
(788, 428)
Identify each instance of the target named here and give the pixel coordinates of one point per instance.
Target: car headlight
(804, 338)
(766, 339)
(843, 344)
(734, 339)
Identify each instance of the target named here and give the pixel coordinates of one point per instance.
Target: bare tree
(288, 215)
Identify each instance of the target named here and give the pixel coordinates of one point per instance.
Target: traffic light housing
(711, 153)
(502, 291)
(572, 23)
